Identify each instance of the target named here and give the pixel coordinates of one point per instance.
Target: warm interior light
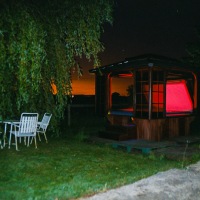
(125, 75)
(178, 98)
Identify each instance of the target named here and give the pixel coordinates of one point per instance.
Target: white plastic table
(6, 123)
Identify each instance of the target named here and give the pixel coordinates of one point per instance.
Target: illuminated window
(158, 83)
(142, 93)
(121, 91)
(178, 98)
(158, 97)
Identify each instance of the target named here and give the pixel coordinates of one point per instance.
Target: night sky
(163, 27)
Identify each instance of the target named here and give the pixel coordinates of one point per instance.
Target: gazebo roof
(147, 60)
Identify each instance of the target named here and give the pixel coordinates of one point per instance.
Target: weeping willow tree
(39, 44)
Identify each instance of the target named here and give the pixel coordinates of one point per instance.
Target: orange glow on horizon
(83, 87)
(54, 88)
(87, 87)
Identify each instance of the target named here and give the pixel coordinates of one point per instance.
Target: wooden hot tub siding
(154, 129)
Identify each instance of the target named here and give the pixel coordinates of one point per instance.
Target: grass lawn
(68, 168)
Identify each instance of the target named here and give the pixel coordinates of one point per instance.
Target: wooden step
(145, 146)
(117, 135)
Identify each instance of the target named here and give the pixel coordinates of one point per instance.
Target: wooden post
(69, 106)
(150, 91)
(134, 93)
(69, 114)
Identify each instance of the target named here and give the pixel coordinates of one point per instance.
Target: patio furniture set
(27, 128)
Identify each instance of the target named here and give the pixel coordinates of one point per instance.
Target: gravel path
(174, 184)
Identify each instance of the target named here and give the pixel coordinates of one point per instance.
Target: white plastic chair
(42, 126)
(26, 128)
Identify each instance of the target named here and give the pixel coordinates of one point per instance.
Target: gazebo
(160, 100)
